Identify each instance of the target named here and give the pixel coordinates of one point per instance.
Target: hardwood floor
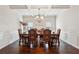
(14, 48)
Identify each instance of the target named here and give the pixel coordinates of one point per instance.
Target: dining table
(39, 34)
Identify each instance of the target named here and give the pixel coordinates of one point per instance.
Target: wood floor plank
(14, 48)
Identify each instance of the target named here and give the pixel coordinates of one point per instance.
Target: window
(30, 25)
(48, 24)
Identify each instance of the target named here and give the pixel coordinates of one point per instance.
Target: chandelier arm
(38, 15)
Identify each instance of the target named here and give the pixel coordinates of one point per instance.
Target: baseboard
(8, 43)
(71, 44)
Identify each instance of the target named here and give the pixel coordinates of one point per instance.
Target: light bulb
(37, 16)
(42, 17)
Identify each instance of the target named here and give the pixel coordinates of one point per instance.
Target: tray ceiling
(39, 6)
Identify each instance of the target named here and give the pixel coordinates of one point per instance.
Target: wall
(42, 24)
(8, 26)
(68, 21)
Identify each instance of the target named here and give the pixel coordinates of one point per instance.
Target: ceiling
(39, 6)
(44, 9)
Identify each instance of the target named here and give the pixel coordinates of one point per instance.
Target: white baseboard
(8, 37)
(71, 44)
(8, 43)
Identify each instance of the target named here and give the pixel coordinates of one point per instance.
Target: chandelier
(39, 16)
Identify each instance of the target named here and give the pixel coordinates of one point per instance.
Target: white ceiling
(39, 6)
(44, 9)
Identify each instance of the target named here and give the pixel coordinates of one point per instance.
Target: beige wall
(68, 21)
(8, 26)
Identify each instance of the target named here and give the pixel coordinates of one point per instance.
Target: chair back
(32, 35)
(58, 31)
(42, 30)
(19, 32)
(47, 35)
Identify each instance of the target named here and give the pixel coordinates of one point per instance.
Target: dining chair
(47, 36)
(58, 32)
(21, 38)
(32, 36)
(55, 37)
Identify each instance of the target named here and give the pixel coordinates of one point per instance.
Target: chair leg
(19, 41)
(46, 45)
(49, 44)
(31, 44)
(23, 42)
(58, 42)
(28, 43)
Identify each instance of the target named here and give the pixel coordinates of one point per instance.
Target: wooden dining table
(53, 35)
